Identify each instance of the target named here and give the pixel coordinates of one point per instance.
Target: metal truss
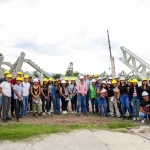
(139, 67)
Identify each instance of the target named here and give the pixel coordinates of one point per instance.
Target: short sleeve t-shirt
(123, 89)
(145, 105)
(110, 92)
(25, 87)
(18, 89)
(6, 88)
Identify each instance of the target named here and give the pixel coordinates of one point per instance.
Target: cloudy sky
(54, 33)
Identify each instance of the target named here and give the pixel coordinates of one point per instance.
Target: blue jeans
(56, 105)
(43, 104)
(143, 115)
(93, 101)
(81, 100)
(102, 105)
(87, 100)
(25, 106)
(125, 103)
(136, 106)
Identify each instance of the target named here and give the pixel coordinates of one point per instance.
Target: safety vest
(92, 92)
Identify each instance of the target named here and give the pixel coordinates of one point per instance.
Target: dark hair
(55, 82)
(102, 85)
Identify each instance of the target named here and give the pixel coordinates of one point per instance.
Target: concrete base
(82, 140)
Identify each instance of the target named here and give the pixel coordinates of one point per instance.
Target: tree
(36, 74)
(56, 76)
(76, 73)
(69, 71)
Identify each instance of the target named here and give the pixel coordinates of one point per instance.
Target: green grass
(15, 132)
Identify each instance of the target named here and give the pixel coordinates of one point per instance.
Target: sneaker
(118, 116)
(143, 121)
(134, 119)
(64, 112)
(72, 112)
(138, 118)
(43, 113)
(48, 113)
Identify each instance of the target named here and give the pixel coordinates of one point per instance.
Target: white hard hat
(104, 82)
(117, 77)
(63, 82)
(35, 80)
(93, 80)
(104, 77)
(81, 77)
(103, 90)
(144, 93)
(108, 82)
(99, 78)
(110, 78)
(122, 79)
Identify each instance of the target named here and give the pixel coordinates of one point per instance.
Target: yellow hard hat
(135, 81)
(95, 75)
(66, 79)
(19, 73)
(72, 79)
(144, 79)
(114, 82)
(19, 79)
(45, 80)
(9, 76)
(6, 72)
(129, 81)
(26, 77)
(50, 79)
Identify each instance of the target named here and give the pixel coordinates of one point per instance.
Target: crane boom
(111, 58)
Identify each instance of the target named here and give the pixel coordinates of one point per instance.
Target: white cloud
(75, 28)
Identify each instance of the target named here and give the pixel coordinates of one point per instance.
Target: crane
(113, 73)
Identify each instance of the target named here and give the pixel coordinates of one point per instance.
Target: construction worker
(50, 91)
(82, 90)
(45, 97)
(93, 94)
(67, 86)
(135, 98)
(144, 87)
(5, 75)
(64, 92)
(102, 94)
(109, 79)
(18, 96)
(55, 94)
(117, 78)
(73, 95)
(87, 95)
(145, 106)
(1, 80)
(30, 95)
(36, 101)
(5, 90)
(26, 89)
(124, 97)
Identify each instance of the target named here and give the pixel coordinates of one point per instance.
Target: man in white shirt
(26, 89)
(5, 90)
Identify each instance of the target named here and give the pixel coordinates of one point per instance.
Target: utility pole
(111, 58)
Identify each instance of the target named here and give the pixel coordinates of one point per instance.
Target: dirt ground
(66, 119)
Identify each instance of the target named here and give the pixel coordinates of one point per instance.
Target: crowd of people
(108, 97)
